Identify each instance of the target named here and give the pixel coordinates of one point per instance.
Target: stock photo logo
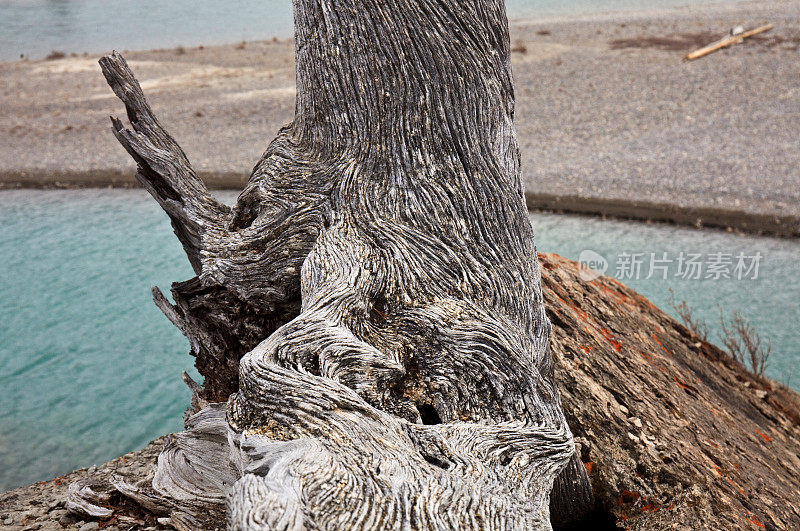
(591, 265)
(683, 266)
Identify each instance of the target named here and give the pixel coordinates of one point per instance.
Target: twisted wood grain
(374, 296)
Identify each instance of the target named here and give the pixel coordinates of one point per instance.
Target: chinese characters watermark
(663, 265)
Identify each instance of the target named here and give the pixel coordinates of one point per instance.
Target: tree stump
(371, 308)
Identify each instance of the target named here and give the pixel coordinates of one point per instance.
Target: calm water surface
(90, 369)
(34, 28)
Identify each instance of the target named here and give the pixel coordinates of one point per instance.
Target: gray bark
(372, 304)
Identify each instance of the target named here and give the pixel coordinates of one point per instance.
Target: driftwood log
(368, 317)
(735, 37)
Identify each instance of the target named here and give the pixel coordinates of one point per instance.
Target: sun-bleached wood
(372, 304)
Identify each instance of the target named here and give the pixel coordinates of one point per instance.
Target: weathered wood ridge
(372, 304)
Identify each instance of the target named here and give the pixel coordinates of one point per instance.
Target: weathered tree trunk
(375, 289)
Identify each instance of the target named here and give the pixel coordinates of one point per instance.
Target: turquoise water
(90, 369)
(771, 301)
(34, 28)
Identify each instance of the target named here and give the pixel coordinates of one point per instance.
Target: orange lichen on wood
(699, 410)
(732, 482)
(617, 282)
(681, 384)
(721, 414)
(650, 508)
(591, 332)
(583, 316)
(764, 436)
(610, 338)
(620, 298)
(650, 360)
(627, 497)
(752, 519)
(643, 301)
(660, 345)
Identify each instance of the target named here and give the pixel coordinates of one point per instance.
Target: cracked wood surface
(383, 259)
(673, 432)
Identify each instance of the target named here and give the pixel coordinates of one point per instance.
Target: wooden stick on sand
(727, 41)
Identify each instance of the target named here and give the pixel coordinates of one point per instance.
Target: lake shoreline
(617, 126)
(786, 226)
(515, 17)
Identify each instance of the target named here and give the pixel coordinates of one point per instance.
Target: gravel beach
(610, 118)
(41, 505)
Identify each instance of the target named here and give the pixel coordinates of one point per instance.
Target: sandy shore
(610, 119)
